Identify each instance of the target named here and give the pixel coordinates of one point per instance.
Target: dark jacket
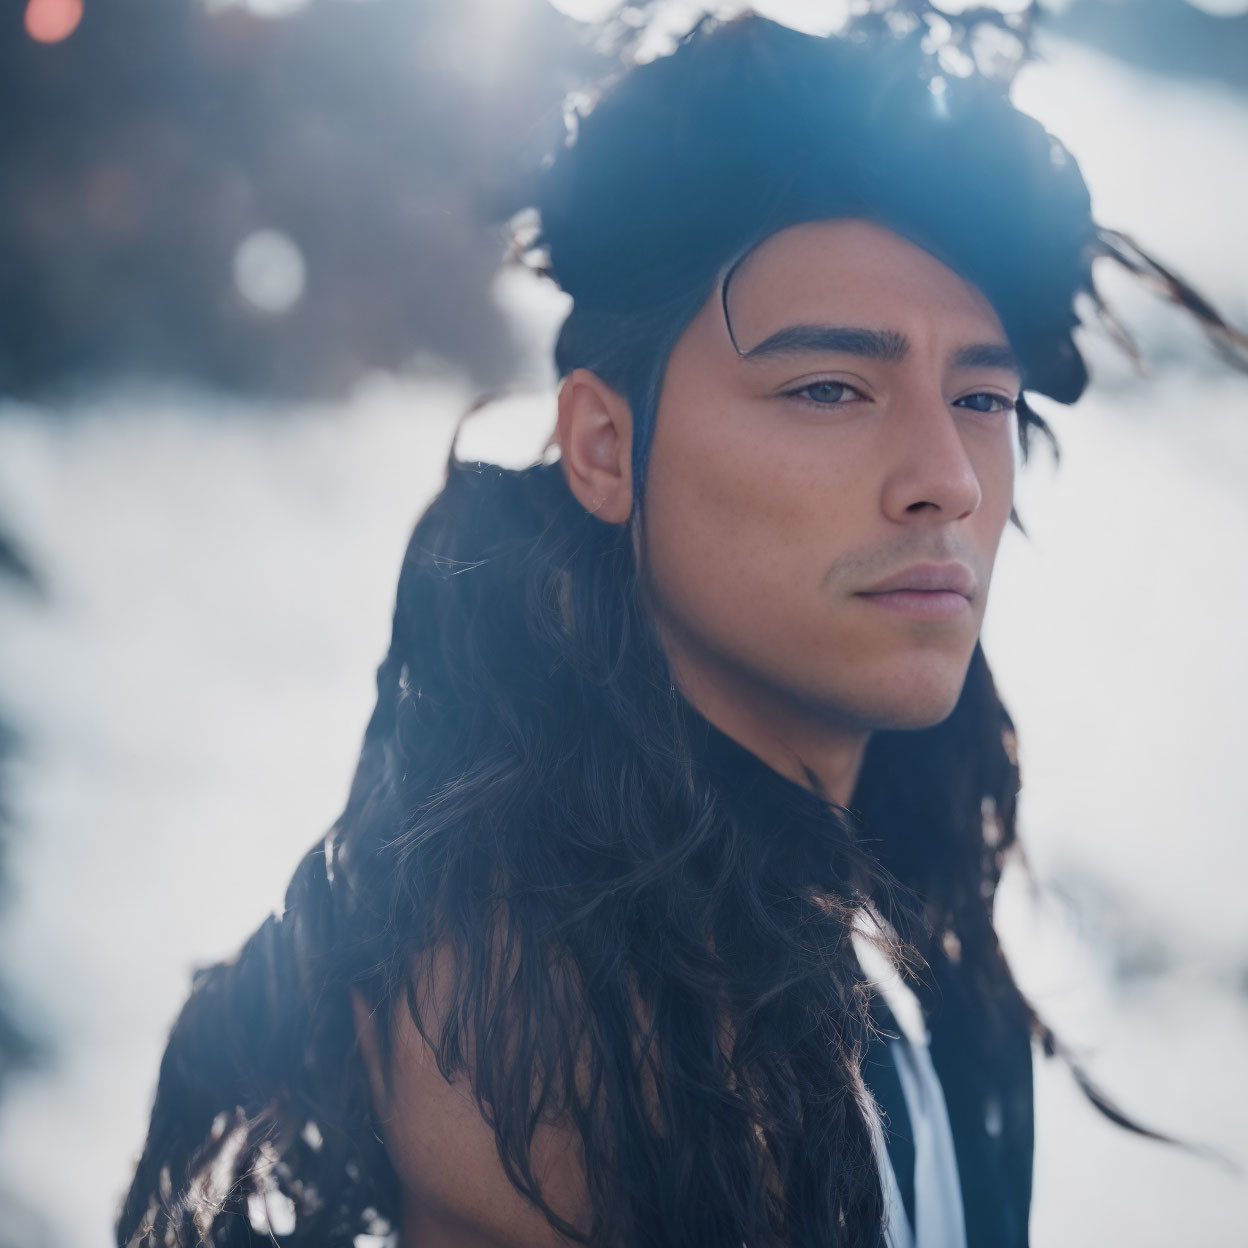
(990, 1115)
(990, 1103)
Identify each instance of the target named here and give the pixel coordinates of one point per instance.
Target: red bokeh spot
(50, 21)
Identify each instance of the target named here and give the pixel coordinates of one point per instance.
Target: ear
(595, 435)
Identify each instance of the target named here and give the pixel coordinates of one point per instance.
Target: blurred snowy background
(249, 286)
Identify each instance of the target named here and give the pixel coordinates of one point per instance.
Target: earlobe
(595, 435)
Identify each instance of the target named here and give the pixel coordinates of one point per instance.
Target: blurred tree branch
(387, 140)
(1164, 36)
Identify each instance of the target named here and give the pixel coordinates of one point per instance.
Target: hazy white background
(194, 693)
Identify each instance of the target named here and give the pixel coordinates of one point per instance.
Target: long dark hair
(531, 798)
(528, 795)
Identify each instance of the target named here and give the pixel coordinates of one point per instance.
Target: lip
(927, 578)
(923, 604)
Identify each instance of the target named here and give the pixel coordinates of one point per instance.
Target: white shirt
(938, 1214)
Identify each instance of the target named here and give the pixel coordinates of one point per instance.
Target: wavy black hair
(531, 795)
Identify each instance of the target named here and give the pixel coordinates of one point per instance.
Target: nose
(931, 475)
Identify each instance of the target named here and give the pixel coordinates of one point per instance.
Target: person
(684, 731)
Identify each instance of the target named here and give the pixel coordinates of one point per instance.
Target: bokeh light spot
(269, 271)
(50, 21)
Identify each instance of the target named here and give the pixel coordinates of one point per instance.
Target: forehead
(853, 272)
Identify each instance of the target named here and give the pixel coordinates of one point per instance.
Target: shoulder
(455, 1188)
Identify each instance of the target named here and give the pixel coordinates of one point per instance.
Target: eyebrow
(876, 344)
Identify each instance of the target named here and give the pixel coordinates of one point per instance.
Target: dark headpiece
(750, 126)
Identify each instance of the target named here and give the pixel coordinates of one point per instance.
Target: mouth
(925, 604)
(933, 591)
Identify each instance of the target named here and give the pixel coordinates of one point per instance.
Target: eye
(825, 393)
(987, 402)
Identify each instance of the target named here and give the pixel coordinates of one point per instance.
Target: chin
(913, 716)
(908, 699)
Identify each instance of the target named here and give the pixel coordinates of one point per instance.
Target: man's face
(786, 483)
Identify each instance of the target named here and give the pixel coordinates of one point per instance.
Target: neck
(813, 749)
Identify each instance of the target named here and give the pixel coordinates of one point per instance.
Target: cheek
(743, 519)
(995, 468)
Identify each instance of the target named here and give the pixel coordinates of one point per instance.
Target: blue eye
(837, 393)
(985, 402)
(826, 393)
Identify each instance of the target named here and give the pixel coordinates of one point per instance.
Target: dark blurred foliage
(14, 565)
(17, 1048)
(1164, 36)
(1137, 948)
(387, 138)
